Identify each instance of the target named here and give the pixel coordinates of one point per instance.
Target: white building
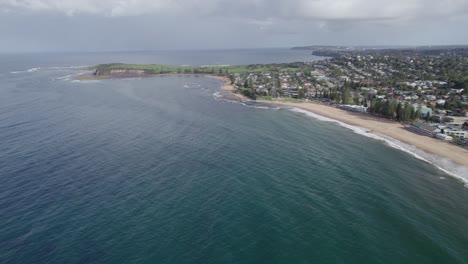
(443, 137)
(460, 134)
(354, 108)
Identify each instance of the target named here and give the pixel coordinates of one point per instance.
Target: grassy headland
(154, 69)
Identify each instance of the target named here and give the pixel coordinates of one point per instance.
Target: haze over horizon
(85, 25)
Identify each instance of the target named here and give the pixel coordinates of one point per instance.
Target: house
(424, 110)
(459, 134)
(456, 91)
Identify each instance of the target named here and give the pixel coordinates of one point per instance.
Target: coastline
(449, 158)
(388, 130)
(432, 150)
(231, 91)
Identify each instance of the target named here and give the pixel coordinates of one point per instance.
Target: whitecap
(65, 78)
(33, 69)
(29, 70)
(217, 95)
(52, 68)
(85, 81)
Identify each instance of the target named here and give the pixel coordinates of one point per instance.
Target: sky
(117, 25)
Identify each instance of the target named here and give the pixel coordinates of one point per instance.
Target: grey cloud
(306, 9)
(90, 25)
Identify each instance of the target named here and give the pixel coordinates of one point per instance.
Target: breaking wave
(52, 68)
(443, 164)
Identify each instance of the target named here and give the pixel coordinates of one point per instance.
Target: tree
(428, 117)
(386, 109)
(417, 114)
(399, 112)
(338, 98)
(231, 78)
(407, 112)
(346, 96)
(412, 114)
(301, 94)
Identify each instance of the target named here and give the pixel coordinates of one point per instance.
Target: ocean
(163, 170)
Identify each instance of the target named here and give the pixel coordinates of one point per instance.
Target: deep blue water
(158, 170)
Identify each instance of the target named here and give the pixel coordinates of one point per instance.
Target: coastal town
(427, 93)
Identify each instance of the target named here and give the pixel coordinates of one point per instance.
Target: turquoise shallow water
(160, 171)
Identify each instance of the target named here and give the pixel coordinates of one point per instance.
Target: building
(424, 129)
(354, 108)
(456, 120)
(443, 136)
(424, 110)
(458, 134)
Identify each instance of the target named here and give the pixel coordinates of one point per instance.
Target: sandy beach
(232, 93)
(387, 128)
(377, 125)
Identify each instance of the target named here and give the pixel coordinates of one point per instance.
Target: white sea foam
(443, 164)
(29, 70)
(33, 69)
(85, 81)
(51, 68)
(217, 95)
(65, 78)
(66, 67)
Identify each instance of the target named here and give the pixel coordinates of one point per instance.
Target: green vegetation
(151, 69)
(402, 112)
(264, 97)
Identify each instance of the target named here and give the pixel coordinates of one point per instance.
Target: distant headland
(339, 51)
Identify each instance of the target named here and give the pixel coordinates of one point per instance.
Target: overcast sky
(98, 25)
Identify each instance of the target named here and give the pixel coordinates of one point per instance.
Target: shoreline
(230, 90)
(433, 151)
(439, 153)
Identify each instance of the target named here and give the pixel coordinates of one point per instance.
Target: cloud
(253, 9)
(63, 25)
